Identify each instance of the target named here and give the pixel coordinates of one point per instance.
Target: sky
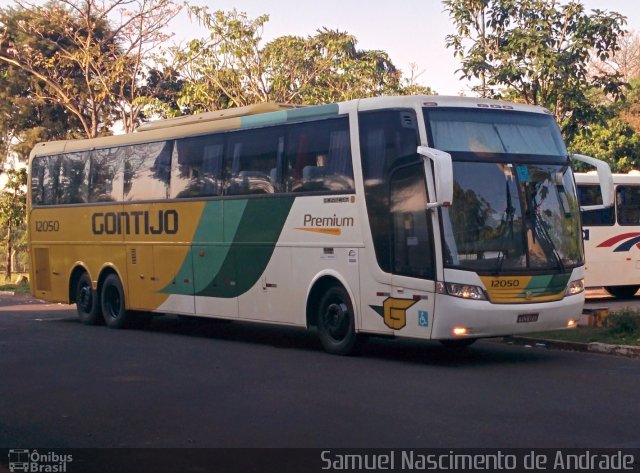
(410, 31)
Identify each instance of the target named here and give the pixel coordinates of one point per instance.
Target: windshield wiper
(539, 228)
(507, 229)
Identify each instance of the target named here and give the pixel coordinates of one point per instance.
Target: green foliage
(615, 142)
(13, 206)
(232, 67)
(624, 322)
(537, 51)
(13, 199)
(75, 54)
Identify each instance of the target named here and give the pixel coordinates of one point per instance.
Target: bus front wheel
(336, 323)
(622, 292)
(87, 305)
(112, 302)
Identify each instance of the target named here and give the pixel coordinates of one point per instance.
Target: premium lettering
(135, 223)
(335, 221)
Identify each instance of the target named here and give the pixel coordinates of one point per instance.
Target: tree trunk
(7, 274)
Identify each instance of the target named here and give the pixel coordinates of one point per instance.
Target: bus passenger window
(628, 204)
(252, 161)
(319, 157)
(73, 182)
(590, 195)
(196, 167)
(38, 169)
(147, 170)
(52, 181)
(105, 176)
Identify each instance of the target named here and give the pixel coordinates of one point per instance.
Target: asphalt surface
(207, 384)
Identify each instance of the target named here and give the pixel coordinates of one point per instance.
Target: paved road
(232, 385)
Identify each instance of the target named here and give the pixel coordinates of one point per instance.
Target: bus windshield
(515, 207)
(495, 131)
(512, 217)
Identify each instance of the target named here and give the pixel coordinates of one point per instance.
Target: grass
(21, 289)
(622, 328)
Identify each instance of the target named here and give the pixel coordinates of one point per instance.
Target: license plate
(527, 318)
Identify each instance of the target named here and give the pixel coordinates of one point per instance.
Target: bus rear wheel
(112, 302)
(87, 305)
(336, 323)
(622, 292)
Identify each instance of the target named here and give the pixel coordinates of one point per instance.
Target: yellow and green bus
(443, 218)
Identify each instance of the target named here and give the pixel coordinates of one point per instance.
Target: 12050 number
(505, 283)
(47, 225)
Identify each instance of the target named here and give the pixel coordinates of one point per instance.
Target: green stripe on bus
(252, 228)
(284, 116)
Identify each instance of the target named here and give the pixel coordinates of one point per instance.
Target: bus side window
(252, 161)
(105, 176)
(73, 178)
(319, 157)
(628, 203)
(197, 166)
(412, 248)
(147, 170)
(38, 169)
(590, 195)
(52, 181)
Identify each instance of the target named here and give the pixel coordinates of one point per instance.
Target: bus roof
(633, 177)
(216, 115)
(269, 113)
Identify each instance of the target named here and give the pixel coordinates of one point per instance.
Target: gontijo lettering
(136, 223)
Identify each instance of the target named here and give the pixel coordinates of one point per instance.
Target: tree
(25, 120)
(615, 142)
(625, 61)
(13, 206)
(86, 55)
(232, 67)
(537, 51)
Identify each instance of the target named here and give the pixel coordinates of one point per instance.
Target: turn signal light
(459, 331)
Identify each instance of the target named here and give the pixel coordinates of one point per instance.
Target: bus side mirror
(443, 175)
(604, 177)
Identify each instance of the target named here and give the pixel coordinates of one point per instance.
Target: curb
(630, 351)
(7, 293)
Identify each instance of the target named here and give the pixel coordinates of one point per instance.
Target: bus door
(410, 307)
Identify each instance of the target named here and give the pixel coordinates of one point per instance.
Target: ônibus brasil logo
(23, 460)
(626, 242)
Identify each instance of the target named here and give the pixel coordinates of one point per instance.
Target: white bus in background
(612, 235)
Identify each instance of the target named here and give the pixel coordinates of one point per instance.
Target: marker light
(459, 331)
(575, 287)
(572, 324)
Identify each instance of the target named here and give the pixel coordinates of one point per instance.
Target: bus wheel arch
(85, 297)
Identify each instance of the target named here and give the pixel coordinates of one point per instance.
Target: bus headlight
(575, 287)
(464, 291)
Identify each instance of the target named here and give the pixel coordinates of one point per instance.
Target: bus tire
(336, 322)
(622, 292)
(457, 344)
(87, 303)
(112, 302)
